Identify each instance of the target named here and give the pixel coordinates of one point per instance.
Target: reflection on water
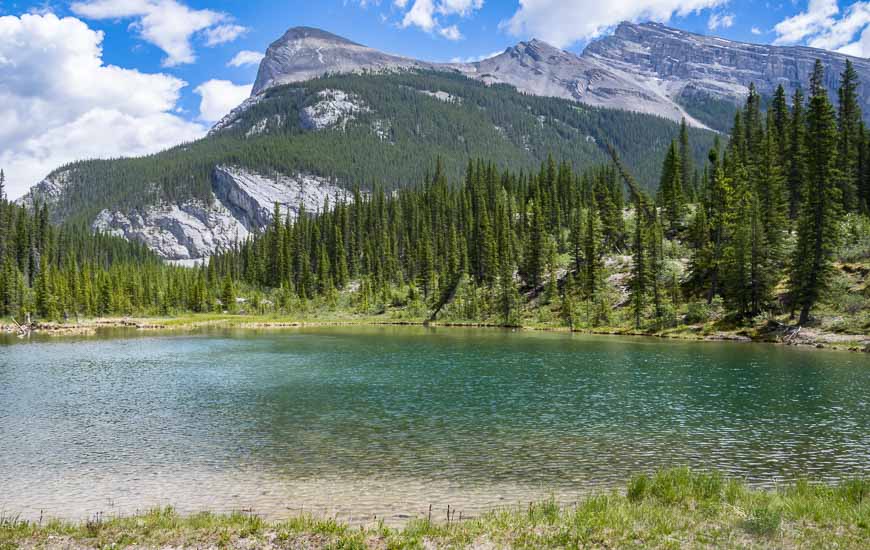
(364, 422)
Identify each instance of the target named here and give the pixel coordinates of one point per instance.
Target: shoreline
(806, 339)
(670, 508)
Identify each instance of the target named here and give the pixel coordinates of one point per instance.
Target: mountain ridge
(644, 67)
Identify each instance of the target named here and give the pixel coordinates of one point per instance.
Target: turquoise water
(364, 422)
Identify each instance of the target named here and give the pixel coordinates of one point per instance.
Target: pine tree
(576, 238)
(2, 185)
(276, 248)
(592, 252)
(639, 268)
(701, 258)
(796, 153)
(721, 199)
(770, 187)
(536, 248)
(821, 202)
(849, 126)
(670, 193)
(687, 169)
(228, 294)
(779, 125)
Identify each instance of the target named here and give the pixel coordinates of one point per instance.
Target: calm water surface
(384, 422)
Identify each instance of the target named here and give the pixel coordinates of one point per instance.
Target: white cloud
(421, 14)
(756, 31)
(815, 19)
(246, 57)
(223, 34)
(463, 8)
(720, 20)
(450, 33)
(60, 103)
(820, 27)
(564, 22)
(167, 24)
(219, 97)
(429, 14)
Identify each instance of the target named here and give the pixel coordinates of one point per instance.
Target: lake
(382, 422)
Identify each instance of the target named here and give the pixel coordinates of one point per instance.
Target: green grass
(675, 508)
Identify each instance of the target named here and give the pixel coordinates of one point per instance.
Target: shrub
(764, 520)
(697, 312)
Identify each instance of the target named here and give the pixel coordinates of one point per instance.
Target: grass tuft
(677, 508)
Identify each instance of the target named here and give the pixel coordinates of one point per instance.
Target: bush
(697, 312)
(764, 520)
(856, 239)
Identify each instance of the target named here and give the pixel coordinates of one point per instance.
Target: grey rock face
(252, 197)
(187, 231)
(304, 53)
(47, 192)
(537, 68)
(641, 67)
(334, 108)
(241, 204)
(721, 68)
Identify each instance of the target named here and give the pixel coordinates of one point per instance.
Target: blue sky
(89, 78)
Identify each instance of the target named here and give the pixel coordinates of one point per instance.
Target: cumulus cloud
(822, 25)
(219, 97)
(246, 57)
(720, 20)
(59, 102)
(564, 22)
(167, 24)
(223, 34)
(814, 20)
(450, 33)
(756, 31)
(429, 15)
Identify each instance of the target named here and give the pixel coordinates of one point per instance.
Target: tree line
(757, 225)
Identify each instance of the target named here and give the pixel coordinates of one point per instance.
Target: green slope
(391, 142)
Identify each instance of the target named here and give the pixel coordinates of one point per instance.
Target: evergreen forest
(770, 223)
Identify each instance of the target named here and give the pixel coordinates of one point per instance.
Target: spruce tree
(687, 169)
(228, 294)
(592, 252)
(821, 202)
(796, 153)
(670, 193)
(639, 268)
(779, 125)
(849, 137)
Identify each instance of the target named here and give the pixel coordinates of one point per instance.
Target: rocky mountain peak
(643, 67)
(302, 33)
(688, 65)
(541, 51)
(303, 53)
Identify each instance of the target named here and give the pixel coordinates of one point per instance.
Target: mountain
(301, 143)
(703, 73)
(328, 115)
(647, 68)
(304, 53)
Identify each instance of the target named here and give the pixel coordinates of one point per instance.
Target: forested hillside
(772, 225)
(759, 235)
(55, 273)
(374, 130)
